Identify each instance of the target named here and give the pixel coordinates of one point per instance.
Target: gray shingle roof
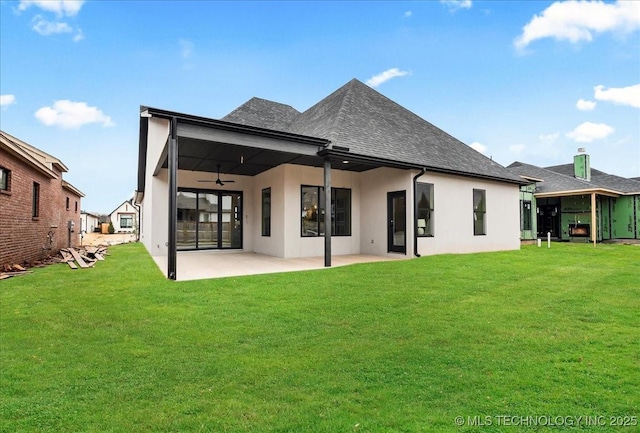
(552, 181)
(600, 179)
(263, 114)
(359, 118)
(559, 178)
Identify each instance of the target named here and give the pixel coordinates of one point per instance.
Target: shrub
(111, 229)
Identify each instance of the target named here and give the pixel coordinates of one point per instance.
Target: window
(312, 207)
(424, 209)
(266, 212)
(76, 206)
(35, 204)
(525, 215)
(126, 221)
(67, 203)
(479, 212)
(5, 179)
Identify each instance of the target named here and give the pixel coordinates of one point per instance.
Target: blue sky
(531, 81)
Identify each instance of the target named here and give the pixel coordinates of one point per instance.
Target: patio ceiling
(203, 155)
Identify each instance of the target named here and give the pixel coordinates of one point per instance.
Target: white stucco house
(354, 174)
(89, 222)
(125, 217)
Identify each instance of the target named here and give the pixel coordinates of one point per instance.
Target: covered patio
(203, 150)
(198, 265)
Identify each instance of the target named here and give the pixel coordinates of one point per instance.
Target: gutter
(415, 212)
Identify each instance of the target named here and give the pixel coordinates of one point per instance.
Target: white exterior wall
(374, 225)
(155, 204)
(294, 244)
(453, 216)
(88, 222)
(270, 245)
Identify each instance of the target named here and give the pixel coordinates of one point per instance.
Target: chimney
(582, 165)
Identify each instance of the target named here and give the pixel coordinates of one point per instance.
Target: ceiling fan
(218, 181)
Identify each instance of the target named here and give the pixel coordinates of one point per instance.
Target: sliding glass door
(209, 219)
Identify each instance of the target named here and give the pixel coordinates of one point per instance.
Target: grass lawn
(401, 346)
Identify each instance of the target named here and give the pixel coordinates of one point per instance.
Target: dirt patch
(95, 239)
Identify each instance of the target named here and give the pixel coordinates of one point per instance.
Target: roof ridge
(346, 100)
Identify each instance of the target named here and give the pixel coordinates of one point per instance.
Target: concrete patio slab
(198, 265)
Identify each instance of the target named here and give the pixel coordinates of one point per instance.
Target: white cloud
(455, 5)
(46, 28)
(78, 36)
(382, 77)
(186, 48)
(407, 14)
(517, 148)
(585, 105)
(549, 138)
(59, 7)
(479, 147)
(6, 100)
(588, 132)
(72, 115)
(577, 20)
(619, 95)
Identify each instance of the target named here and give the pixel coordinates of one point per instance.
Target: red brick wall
(24, 239)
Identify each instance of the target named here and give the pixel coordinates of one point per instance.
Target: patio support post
(594, 225)
(327, 212)
(173, 197)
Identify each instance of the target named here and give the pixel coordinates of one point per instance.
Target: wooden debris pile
(9, 271)
(85, 257)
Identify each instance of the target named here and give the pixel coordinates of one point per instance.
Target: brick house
(37, 205)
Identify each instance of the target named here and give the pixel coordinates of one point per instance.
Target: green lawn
(401, 346)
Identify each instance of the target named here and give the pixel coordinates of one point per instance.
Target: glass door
(231, 221)
(209, 220)
(186, 236)
(397, 218)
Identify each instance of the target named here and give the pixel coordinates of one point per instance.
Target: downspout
(137, 207)
(415, 212)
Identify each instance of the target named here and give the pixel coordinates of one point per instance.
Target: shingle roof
(359, 118)
(602, 179)
(560, 178)
(371, 125)
(552, 181)
(263, 114)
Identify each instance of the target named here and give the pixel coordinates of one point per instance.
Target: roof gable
(120, 209)
(263, 114)
(369, 124)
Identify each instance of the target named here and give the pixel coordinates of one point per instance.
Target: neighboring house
(39, 210)
(255, 181)
(125, 217)
(565, 201)
(89, 222)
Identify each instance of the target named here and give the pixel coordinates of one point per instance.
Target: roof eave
(236, 127)
(345, 154)
(599, 191)
(66, 185)
(17, 151)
